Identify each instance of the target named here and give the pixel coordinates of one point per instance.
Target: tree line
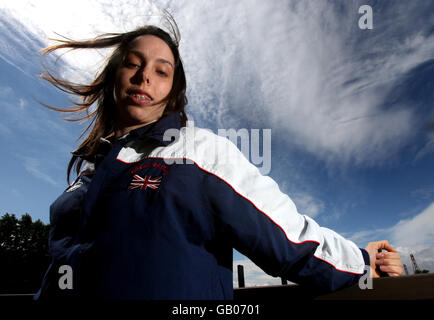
(24, 255)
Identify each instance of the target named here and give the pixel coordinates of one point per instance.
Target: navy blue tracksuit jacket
(156, 214)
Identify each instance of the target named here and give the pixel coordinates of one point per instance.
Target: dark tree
(24, 256)
(421, 271)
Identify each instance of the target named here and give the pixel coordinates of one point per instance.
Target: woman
(136, 224)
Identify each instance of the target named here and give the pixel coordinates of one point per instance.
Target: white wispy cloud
(22, 103)
(417, 231)
(37, 22)
(308, 205)
(38, 170)
(428, 148)
(363, 237)
(302, 67)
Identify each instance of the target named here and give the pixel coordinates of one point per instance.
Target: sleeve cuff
(366, 258)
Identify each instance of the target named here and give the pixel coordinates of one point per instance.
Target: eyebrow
(138, 53)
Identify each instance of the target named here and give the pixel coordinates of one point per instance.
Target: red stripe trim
(133, 161)
(248, 201)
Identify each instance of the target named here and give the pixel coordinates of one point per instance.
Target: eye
(164, 74)
(131, 64)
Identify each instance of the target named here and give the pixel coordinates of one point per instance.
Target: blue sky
(349, 109)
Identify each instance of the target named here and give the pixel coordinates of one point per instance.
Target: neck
(120, 132)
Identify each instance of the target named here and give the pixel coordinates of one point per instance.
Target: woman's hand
(389, 262)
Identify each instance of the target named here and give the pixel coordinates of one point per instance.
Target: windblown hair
(100, 91)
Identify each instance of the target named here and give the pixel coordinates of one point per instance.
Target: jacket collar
(153, 131)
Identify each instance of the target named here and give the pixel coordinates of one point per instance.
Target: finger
(389, 262)
(391, 269)
(384, 244)
(392, 274)
(388, 258)
(388, 255)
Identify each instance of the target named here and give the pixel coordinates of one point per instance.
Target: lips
(139, 96)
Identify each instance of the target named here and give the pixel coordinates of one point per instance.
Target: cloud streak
(417, 231)
(308, 205)
(33, 166)
(301, 67)
(308, 71)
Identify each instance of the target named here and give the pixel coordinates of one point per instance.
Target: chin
(136, 115)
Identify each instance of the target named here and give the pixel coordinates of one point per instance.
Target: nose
(142, 76)
(146, 76)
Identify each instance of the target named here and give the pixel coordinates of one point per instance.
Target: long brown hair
(100, 91)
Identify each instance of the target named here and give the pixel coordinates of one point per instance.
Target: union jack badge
(143, 183)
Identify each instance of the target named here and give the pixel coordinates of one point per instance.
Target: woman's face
(143, 80)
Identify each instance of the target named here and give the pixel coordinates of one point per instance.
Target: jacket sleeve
(264, 225)
(65, 216)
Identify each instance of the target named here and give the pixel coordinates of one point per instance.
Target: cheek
(164, 89)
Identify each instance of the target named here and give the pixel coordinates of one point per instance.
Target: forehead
(151, 47)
